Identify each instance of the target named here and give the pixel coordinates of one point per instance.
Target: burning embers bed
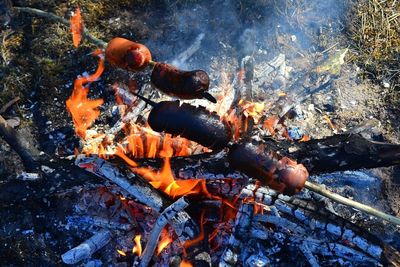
(158, 219)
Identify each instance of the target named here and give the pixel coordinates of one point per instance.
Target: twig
(51, 16)
(161, 222)
(9, 104)
(348, 202)
(87, 248)
(28, 153)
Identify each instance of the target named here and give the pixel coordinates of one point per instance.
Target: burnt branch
(184, 226)
(21, 143)
(161, 222)
(338, 153)
(51, 16)
(87, 248)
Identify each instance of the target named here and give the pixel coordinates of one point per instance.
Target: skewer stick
(348, 202)
(51, 16)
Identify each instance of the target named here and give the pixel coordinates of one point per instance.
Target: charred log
(336, 153)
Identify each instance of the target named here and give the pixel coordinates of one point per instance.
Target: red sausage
(123, 53)
(180, 83)
(283, 175)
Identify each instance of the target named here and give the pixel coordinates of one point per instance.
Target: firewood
(161, 222)
(87, 248)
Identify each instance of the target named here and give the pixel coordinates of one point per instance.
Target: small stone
(386, 84)
(295, 133)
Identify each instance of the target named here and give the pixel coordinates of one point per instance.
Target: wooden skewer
(348, 202)
(54, 17)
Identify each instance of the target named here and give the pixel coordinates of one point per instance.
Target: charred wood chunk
(128, 55)
(182, 84)
(283, 175)
(194, 123)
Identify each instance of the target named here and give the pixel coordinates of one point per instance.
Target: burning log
(161, 222)
(142, 191)
(87, 248)
(184, 226)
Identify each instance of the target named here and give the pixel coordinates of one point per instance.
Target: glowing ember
(138, 246)
(185, 263)
(84, 111)
(305, 138)
(281, 94)
(76, 27)
(166, 239)
(121, 252)
(328, 120)
(252, 109)
(270, 124)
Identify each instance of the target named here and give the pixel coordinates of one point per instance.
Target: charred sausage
(194, 123)
(283, 175)
(126, 54)
(182, 84)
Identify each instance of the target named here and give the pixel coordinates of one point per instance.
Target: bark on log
(335, 153)
(339, 153)
(21, 143)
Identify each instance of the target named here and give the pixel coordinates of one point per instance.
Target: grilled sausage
(128, 55)
(194, 123)
(182, 84)
(283, 175)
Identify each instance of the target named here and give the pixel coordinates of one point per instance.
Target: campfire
(206, 166)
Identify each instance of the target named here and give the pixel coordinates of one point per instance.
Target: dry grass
(375, 30)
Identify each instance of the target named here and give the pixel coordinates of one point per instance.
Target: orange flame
(192, 242)
(165, 181)
(164, 242)
(84, 111)
(185, 263)
(138, 246)
(305, 138)
(270, 124)
(252, 109)
(329, 121)
(281, 94)
(121, 252)
(120, 153)
(76, 27)
(152, 144)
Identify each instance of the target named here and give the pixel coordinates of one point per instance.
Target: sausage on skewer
(182, 84)
(123, 53)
